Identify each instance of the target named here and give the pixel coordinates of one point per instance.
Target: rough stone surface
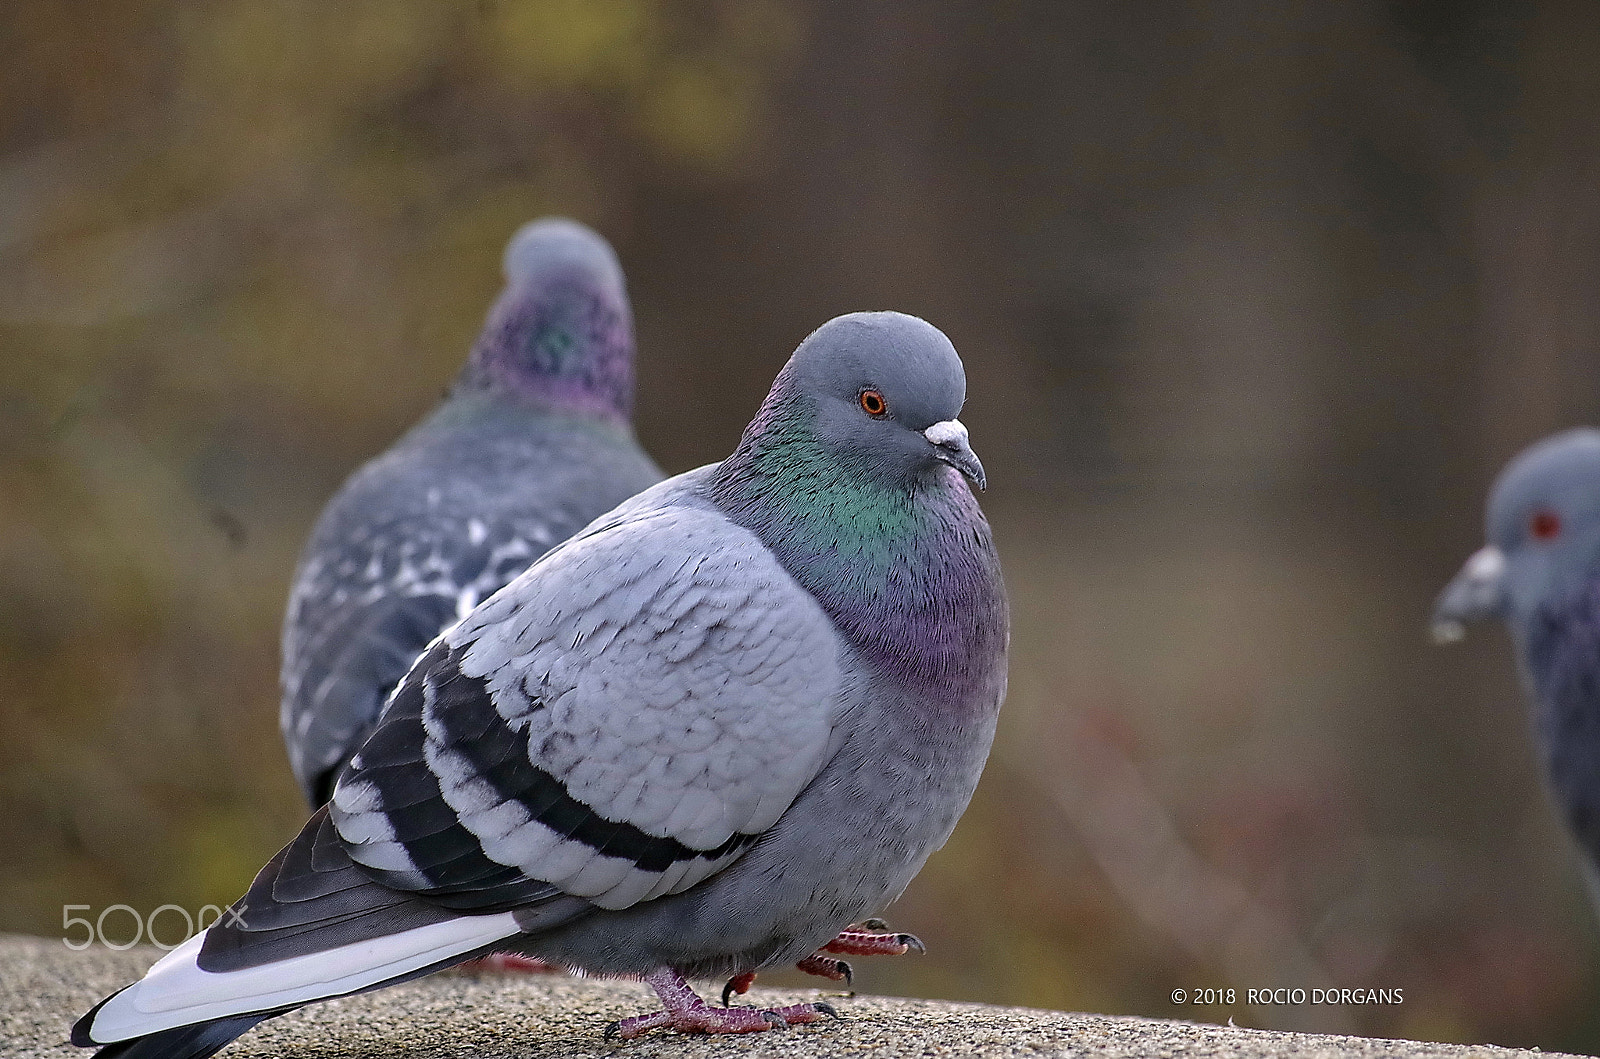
(44, 986)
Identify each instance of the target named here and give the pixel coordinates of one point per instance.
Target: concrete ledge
(44, 986)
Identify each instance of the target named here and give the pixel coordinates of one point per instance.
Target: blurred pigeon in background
(1540, 574)
(697, 739)
(533, 441)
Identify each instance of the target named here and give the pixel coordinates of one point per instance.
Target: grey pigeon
(529, 446)
(1540, 574)
(728, 718)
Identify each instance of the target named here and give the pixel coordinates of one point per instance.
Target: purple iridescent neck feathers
(561, 332)
(864, 515)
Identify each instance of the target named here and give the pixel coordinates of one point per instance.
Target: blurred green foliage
(1254, 298)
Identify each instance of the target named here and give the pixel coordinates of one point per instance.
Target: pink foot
(507, 963)
(872, 938)
(685, 1012)
(823, 967)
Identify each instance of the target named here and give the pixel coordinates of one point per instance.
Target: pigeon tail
(311, 927)
(185, 1042)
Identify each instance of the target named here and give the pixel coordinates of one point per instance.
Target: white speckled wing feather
(360, 614)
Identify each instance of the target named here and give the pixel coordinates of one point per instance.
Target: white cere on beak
(950, 432)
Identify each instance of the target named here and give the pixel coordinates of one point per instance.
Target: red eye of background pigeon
(872, 403)
(1545, 525)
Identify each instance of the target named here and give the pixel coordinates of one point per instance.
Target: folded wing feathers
(604, 725)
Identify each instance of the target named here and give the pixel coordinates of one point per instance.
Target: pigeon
(1539, 573)
(698, 738)
(531, 444)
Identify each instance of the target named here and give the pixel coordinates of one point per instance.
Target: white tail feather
(176, 992)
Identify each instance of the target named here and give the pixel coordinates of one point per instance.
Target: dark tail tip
(183, 1042)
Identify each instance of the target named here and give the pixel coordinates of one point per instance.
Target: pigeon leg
(684, 1011)
(507, 963)
(872, 938)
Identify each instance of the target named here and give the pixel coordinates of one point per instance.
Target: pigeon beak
(1478, 591)
(949, 441)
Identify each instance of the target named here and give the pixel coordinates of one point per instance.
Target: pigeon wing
(619, 723)
(364, 605)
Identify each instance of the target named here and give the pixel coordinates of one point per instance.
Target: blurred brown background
(1255, 296)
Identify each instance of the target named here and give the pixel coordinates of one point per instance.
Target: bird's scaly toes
(865, 939)
(823, 967)
(701, 1018)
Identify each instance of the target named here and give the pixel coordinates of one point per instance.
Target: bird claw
(684, 1011)
(823, 967)
(800, 1014)
(704, 1019)
(739, 983)
(866, 939)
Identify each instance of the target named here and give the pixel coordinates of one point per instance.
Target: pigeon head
(561, 332)
(851, 472)
(1543, 531)
(874, 395)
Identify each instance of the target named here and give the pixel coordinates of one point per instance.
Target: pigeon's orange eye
(873, 404)
(1545, 525)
